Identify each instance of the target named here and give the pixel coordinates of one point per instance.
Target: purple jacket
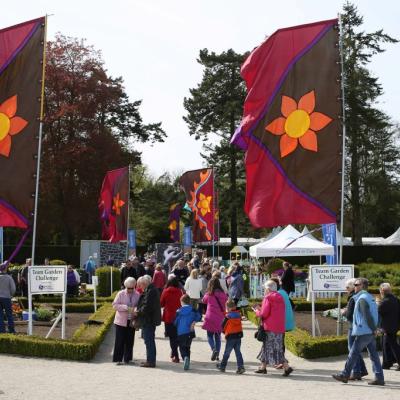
(122, 301)
(215, 313)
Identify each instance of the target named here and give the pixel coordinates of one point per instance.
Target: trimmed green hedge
(302, 344)
(70, 300)
(104, 274)
(82, 347)
(302, 304)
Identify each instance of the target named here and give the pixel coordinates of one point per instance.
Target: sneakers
(377, 383)
(147, 364)
(221, 369)
(340, 378)
(214, 355)
(186, 363)
(119, 363)
(240, 371)
(175, 359)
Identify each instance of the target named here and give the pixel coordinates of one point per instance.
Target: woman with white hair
(359, 369)
(124, 304)
(193, 287)
(272, 314)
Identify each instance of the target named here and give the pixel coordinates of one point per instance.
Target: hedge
(301, 304)
(104, 287)
(82, 347)
(302, 344)
(70, 300)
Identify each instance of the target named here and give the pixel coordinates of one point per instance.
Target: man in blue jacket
(365, 323)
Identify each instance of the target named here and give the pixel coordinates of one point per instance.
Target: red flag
(21, 70)
(113, 204)
(199, 189)
(290, 129)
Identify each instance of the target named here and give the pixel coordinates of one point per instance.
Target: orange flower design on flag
(204, 204)
(117, 204)
(173, 225)
(299, 124)
(10, 124)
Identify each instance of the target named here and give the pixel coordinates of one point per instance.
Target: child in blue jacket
(185, 319)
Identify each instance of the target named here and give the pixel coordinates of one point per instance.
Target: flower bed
(83, 345)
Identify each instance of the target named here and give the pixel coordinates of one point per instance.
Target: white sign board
(330, 278)
(48, 279)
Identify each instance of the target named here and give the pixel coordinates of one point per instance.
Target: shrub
(42, 314)
(58, 262)
(272, 265)
(379, 273)
(104, 287)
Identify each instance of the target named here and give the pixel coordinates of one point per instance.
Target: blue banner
(187, 236)
(132, 239)
(329, 237)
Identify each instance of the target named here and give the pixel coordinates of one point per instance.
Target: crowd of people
(197, 293)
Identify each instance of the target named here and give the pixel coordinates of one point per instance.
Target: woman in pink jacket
(272, 314)
(124, 303)
(215, 298)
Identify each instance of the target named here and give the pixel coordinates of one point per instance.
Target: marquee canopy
(284, 245)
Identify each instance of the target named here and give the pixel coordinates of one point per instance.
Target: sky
(154, 44)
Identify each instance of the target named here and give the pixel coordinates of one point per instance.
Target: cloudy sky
(153, 45)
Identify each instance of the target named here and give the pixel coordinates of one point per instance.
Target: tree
(372, 156)
(151, 199)
(215, 107)
(90, 125)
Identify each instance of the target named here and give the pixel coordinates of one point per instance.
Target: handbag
(260, 333)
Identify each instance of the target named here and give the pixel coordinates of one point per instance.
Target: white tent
(305, 232)
(285, 244)
(274, 232)
(346, 241)
(392, 240)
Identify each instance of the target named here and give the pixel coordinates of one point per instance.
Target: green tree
(214, 109)
(150, 202)
(372, 156)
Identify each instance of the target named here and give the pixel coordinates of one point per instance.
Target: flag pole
(37, 175)
(213, 214)
(127, 223)
(343, 157)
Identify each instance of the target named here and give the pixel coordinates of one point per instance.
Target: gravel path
(24, 378)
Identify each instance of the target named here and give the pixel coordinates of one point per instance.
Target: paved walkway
(24, 378)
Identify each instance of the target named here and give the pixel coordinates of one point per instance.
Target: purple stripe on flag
(20, 47)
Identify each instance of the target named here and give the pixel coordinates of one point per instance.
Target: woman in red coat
(171, 301)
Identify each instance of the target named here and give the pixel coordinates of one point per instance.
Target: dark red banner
(198, 186)
(113, 205)
(21, 69)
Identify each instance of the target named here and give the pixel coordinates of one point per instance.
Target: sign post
(95, 282)
(328, 278)
(45, 279)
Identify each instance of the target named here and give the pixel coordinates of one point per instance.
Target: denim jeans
(359, 368)
(5, 305)
(232, 344)
(359, 344)
(214, 340)
(149, 340)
